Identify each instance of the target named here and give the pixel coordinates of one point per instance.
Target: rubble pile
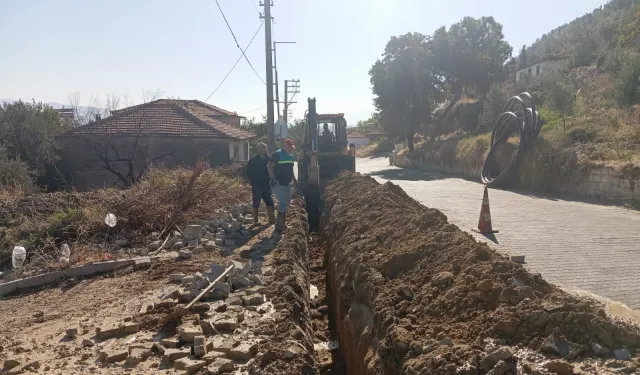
(223, 229)
(220, 332)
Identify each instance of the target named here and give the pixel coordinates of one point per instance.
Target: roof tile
(174, 118)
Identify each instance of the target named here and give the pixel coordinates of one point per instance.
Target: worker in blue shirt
(282, 177)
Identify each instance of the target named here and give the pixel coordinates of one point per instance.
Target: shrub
(628, 84)
(492, 107)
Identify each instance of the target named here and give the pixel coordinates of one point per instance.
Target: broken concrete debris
(223, 229)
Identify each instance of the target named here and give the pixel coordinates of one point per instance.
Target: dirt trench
(409, 293)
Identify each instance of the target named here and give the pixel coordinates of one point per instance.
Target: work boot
(255, 216)
(271, 214)
(280, 225)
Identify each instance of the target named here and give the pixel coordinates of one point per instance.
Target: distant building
(540, 67)
(66, 114)
(359, 139)
(165, 131)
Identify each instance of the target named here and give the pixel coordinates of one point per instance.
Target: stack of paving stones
(224, 229)
(214, 335)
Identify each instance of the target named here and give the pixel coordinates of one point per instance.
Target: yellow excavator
(325, 152)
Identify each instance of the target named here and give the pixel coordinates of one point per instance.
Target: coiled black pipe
(518, 115)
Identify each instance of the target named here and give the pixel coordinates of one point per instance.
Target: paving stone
(243, 352)
(199, 350)
(171, 355)
(211, 356)
(267, 271)
(113, 356)
(256, 279)
(188, 333)
(72, 332)
(225, 287)
(191, 366)
(240, 282)
(221, 344)
(253, 300)
(226, 324)
(171, 342)
(158, 348)
(221, 366)
(136, 356)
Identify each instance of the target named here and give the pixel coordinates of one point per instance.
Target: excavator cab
(324, 153)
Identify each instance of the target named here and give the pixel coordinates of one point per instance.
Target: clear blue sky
(52, 48)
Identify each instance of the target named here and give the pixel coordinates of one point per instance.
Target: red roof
(165, 117)
(211, 109)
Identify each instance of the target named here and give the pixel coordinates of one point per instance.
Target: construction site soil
(413, 294)
(387, 287)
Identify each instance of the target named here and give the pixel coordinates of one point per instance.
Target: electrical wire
(519, 115)
(238, 45)
(255, 6)
(253, 110)
(236, 64)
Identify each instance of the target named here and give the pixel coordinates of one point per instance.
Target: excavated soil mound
(414, 294)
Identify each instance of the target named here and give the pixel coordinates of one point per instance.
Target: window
(529, 71)
(537, 69)
(246, 151)
(236, 152)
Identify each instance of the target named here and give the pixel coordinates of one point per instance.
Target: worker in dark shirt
(281, 173)
(258, 174)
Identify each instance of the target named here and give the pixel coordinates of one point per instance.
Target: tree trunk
(410, 135)
(457, 94)
(564, 125)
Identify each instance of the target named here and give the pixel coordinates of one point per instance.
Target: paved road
(591, 247)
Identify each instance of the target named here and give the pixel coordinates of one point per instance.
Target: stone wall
(82, 166)
(596, 182)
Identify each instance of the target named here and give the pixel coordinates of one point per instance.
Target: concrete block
(176, 277)
(184, 254)
(188, 333)
(240, 282)
(220, 241)
(226, 324)
(243, 352)
(215, 271)
(224, 287)
(210, 357)
(142, 263)
(253, 300)
(221, 366)
(229, 242)
(199, 350)
(211, 246)
(171, 355)
(195, 231)
(114, 356)
(170, 342)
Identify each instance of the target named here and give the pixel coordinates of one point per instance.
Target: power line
(237, 61)
(253, 110)
(237, 44)
(255, 6)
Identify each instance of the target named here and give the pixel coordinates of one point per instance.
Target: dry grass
(164, 199)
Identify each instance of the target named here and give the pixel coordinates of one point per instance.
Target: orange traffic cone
(484, 223)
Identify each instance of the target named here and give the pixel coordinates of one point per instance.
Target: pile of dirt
(289, 351)
(414, 294)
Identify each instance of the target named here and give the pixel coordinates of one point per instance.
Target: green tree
(404, 86)
(27, 133)
(259, 128)
(522, 58)
(471, 54)
(558, 94)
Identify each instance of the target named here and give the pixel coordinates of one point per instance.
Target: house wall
(82, 166)
(539, 68)
(239, 151)
(359, 141)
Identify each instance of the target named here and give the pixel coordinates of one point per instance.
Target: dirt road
(590, 247)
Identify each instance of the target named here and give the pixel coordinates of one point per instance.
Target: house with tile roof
(166, 132)
(357, 138)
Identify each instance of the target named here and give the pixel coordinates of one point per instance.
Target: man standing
(281, 173)
(258, 174)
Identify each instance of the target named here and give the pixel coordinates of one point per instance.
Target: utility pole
(275, 68)
(292, 89)
(269, 62)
